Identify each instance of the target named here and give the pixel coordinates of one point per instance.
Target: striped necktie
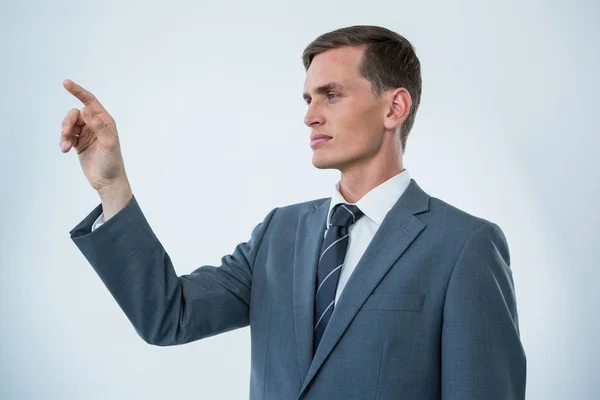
(331, 260)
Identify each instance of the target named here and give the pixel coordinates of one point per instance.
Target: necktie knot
(345, 215)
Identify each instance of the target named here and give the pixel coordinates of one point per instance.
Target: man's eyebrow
(324, 89)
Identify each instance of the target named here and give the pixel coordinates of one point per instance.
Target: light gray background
(208, 104)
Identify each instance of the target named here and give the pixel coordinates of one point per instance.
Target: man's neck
(354, 185)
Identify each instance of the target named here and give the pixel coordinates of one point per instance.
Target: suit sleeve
(482, 355)
(166, 309)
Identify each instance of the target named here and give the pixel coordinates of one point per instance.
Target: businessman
(380, 291)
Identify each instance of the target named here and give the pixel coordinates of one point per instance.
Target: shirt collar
(378, 201)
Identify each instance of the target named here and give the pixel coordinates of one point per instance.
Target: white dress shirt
(99, 221)
(375, 205)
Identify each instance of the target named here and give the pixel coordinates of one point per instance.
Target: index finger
(83, 95)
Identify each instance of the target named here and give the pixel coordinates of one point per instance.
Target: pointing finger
(87, 98)
(92, 115)
(83, 95)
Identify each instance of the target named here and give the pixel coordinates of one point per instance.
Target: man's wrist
(114, 198)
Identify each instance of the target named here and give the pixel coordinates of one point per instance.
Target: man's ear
(399, 103)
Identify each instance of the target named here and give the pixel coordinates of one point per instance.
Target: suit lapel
(398, 230)
(309, 240)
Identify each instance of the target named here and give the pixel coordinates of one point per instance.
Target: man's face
(343, 106)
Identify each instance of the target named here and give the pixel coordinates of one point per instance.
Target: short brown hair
(389, 62)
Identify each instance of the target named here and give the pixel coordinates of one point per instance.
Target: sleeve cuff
(99, 221)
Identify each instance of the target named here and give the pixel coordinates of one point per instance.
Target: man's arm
(482, 355)
(166, 309)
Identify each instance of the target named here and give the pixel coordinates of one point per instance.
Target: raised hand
(93, 134)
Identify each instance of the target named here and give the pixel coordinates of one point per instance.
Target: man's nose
(313, 116)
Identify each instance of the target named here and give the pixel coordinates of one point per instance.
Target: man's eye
(331, 94)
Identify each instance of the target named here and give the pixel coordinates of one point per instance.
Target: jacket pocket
(395, 302)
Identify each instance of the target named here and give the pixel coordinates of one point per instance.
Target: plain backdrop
(208, 102)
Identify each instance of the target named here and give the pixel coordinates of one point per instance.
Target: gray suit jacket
(429, 312)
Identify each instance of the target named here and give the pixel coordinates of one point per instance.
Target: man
(380, 291)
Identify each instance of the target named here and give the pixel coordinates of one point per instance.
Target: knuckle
(86, 112)
(108, 121)
(105, 122)
(97, 123)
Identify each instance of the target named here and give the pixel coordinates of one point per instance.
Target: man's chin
(319, 166)
(323, 164)
(319, 163)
